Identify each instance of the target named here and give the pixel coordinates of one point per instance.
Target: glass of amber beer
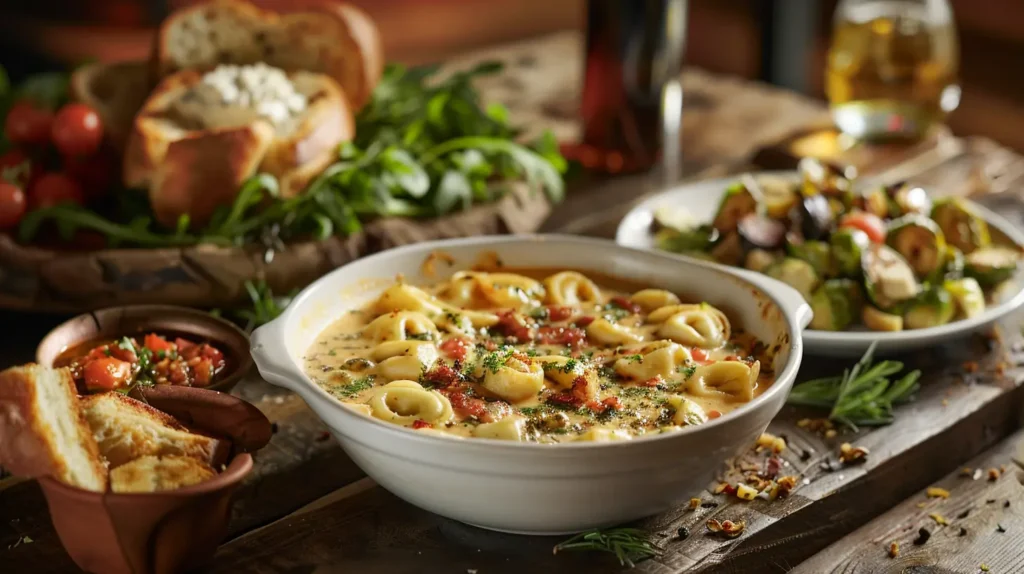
(892, 68)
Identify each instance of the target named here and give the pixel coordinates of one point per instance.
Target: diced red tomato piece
(202, 373)
(699, 354)
(456, 348)
(569, 336)
(512, 324)
(559, 313)
(583, 321)
(652, 382)
(714, 414)
(624, 303)
(107, 374)
(156, 343)
(183, 344)
(119, 352)
(442, 375)
(869, 223)
(421, 424)
(212, 353)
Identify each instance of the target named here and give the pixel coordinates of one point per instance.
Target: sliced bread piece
(327, 37)
(127, 429)
(42, 430)
(153, 474)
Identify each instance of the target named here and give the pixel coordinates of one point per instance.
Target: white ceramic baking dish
(525, 487)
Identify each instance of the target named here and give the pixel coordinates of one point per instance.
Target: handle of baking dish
(791, 301)
(268, 350)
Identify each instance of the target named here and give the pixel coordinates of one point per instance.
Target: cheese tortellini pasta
(537, 356)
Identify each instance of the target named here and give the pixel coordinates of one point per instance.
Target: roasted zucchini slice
(967, 295)
(952, 265)
(931, 308)
(962, 227)
(701, 238)
(817, 253)
(920, 241)
(848, 245)
(878, 320)
(992, 265)
(907, 199)
(836, 303)
(875, 202)
(796, 273)
(888, 278)
(737, 203)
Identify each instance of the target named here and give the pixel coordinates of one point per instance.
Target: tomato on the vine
(28, 124)
(77, 130)
(12, 205)
(54, 188)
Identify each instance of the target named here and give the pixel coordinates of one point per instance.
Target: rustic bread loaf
(42, 431)
(326, 37)
(126, 429)
(153, 474)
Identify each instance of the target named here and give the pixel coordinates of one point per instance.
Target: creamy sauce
(538, 355)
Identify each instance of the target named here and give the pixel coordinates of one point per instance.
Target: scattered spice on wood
(963, 531)
(965, 472)
(709, 505)
(945, 402)
(770, 441)
(964, 514)
(745, 492)
(977, 474)
(922, 536)
(970, 366)
(849, 454)
(983, 566)
(694, 503)
(1000, 529)
(831, 433)
(922, 504)
(936, 492)
(726, 528)
(683, 533)
(322, 436)
(990, 501)
(938, 518)
(894, 549)
(1006, 504)
(805, 455)
(993, 474)
(273, 428)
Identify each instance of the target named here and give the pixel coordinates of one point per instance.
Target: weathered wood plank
(976, 511)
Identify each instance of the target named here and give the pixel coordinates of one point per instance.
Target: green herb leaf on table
(629, 545)
(863, 396)
(424, 147)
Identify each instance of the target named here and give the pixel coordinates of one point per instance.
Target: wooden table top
(307, 508)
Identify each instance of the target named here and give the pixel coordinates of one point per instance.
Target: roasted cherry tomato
(54, 188)
(28, 124)
(107, 374)
(77, 130)
(866, 222)
(12, 205)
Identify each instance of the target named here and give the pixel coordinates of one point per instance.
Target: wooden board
(985, 526)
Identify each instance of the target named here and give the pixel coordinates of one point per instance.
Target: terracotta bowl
(132, 320)
(162, 532)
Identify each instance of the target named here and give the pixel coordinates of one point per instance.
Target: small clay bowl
(134, 320)
(170, 531)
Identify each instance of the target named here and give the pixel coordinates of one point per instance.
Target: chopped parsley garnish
(638, 358)
(452, 317)
(357, 386)
(424, 336)
(540, 313)
(495, 360)
(332, 352)
(687, 370)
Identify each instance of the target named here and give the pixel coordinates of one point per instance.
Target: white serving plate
(701, 200)
(533, 488)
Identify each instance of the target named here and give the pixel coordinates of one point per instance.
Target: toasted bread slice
(127, 429)
(194, 155)
(337, 40)
(152, 474)
(116, 91)
(43, 432)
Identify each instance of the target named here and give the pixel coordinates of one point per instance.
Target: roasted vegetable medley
(888, 259)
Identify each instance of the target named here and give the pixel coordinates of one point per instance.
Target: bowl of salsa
(120, 348)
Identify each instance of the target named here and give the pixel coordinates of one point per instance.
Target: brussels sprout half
(961, 226)
(796, 273)
(968, 296)
(932, 308)
(992, 265)
(878, 320)
(817, 253)
(848, 245)
(920, 241)
(836, 303)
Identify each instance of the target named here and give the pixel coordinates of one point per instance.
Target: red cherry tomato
(16, 167)
(107, 374)
(12, 205)
(870, 224)
(27, 124)
(77, 130)
(54, 188)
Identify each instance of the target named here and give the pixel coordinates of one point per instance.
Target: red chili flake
(561, 336)
(558, 313)
(442, 375)
(421, 424)
(512, 324)
(583, 321)
(652, 382)
(456, 348)
(624, 303)
(322, 436)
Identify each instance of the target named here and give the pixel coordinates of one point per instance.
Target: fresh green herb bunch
(629, 545)
(864, 395)
(423, 147)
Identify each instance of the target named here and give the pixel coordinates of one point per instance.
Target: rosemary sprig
(264, 306)
(629, 545)
(863, 395)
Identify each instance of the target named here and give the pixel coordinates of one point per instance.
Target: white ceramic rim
(644, 212)
(267, 343)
